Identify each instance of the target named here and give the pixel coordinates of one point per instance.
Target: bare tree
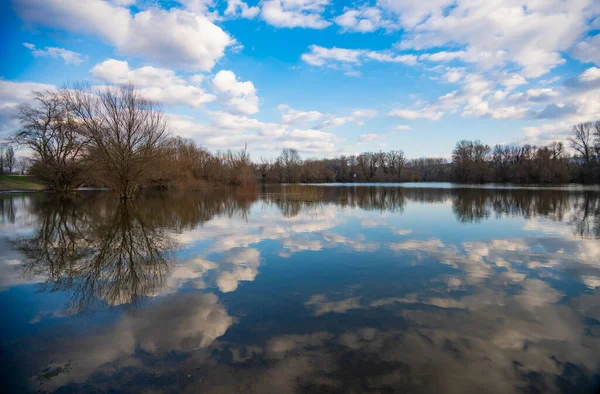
(2, 164)
(23, 165)
(127, 134)
(291, 161)
(49, 130)
(597, 137)
(9, 159)
(582, 140)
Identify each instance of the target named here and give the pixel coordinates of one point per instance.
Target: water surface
(302, 289)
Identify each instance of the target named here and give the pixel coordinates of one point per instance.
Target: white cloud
(174, 36)
(355, 116)
(512, 80)
(403, 128)
(411, 114)
(363, 20)
(290, 115)
(443, 56)
(239, 97)
(11, 95)
(295, 13)
(529, 33)
(336, 57)
(414, 12)
(69, 57)
(591, 74)
(588, 50)
(157, 84)
(453, 75)
(238, 8)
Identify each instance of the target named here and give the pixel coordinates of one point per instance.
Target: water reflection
(100, 250)
(308, 289)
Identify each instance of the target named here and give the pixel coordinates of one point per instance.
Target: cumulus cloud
(295, 13)
(231, 131)
(240, 9)
(531, 34)
(239, 97)
(156, 84)
(591, 74)
(69, 57)
(364, 20)
(588, 50)
(11, 95)
(175, 36)
(290, 115)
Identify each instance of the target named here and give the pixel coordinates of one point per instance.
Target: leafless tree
(23, 165)
(597, 137)
(2, 163)
(291, 161)
(582, 140)
(127, 134)
(50, 131)
(9, 159)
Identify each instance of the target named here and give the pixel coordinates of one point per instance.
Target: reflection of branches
(7, 211)
(586, 217)
(369, 198)
(114, 256)
(474, 205)
(469, 205)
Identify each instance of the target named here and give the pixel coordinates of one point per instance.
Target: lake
(302, 289)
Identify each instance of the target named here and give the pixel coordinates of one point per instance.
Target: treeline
(114, 137)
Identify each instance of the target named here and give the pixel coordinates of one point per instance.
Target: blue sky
(325, 77)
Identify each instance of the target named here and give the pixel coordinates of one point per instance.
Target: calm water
(302, 289)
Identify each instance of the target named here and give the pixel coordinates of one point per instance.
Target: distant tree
(9, 159)
(291, 161)
(126, 134)
(2, 163)
(23, 165)
(471, 161)
(49, 130)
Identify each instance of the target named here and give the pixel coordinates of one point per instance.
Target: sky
(326, 77)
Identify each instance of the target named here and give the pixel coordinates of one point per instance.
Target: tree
(2, 164)
(50, 131)
(586, 141)
(582, 140)
(23, 165)
(9, 159)
(127, 134)
(291, 161)
(471, 161)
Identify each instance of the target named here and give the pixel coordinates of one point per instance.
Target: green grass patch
(19, 182)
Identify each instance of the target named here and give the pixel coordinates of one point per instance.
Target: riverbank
(19, 183)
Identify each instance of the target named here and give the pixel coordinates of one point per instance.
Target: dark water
(305, 289)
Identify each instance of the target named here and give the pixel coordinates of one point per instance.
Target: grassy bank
(18, 182)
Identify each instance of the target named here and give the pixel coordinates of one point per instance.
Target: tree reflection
(99, 250)
(586, 216)
(104, 251)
